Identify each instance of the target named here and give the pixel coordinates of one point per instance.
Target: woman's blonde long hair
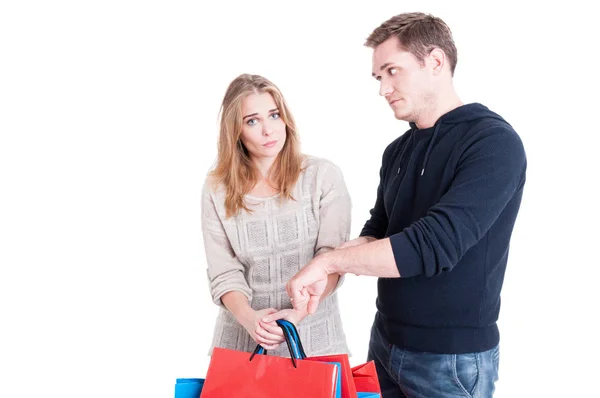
(234, 169)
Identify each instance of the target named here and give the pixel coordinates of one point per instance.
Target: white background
(108, 123)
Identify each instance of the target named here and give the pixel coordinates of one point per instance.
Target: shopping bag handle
(292, 339)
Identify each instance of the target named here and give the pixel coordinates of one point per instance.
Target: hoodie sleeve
(377, 225)
(490, 171)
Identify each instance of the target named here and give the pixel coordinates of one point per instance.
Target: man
(438, 237)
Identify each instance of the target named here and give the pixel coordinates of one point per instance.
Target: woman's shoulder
(319, 173)
(212, 187)
(318, 163)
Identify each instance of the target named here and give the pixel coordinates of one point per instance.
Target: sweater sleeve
(489, 173)
(334, 212)
(225, 271)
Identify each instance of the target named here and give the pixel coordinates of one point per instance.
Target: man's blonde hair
(418, 33)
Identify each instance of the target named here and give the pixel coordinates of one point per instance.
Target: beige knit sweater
(257, 253)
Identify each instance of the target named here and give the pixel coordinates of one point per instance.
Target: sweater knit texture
(257, 253)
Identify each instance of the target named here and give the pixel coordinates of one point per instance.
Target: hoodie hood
(464, 113)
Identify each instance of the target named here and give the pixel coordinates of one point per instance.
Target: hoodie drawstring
(408, 143)
(435, 132)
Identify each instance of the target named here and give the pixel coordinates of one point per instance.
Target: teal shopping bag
(338, 384)
(188, 388)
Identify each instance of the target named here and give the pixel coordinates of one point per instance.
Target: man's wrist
(331, 262)
(369, 239)
(302, 313)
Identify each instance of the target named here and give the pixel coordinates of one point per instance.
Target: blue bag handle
(294, 344)
(292, 339)
(289, 328)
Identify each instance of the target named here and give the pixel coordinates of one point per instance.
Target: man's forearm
(332, 281)
(371, 259)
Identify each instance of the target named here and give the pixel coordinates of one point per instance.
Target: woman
(267, 210)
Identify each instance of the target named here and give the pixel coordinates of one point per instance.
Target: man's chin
(400, 113)
(401, 116)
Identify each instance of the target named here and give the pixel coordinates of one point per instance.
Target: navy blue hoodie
(448, 199)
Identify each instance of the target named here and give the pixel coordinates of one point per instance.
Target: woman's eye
(252, 122)
(392, 71)
(275, 115)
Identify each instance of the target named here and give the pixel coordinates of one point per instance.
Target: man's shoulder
(492, 136)
(492, 125)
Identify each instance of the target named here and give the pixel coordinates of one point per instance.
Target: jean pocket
(466, 372)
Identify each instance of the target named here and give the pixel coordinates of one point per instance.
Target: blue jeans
(413, 374)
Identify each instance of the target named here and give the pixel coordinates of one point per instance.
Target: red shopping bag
(348, 388)
(241, 374)
(361, 378)
(365, 378)
(232, 374)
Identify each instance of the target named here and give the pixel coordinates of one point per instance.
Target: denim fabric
(404, 373)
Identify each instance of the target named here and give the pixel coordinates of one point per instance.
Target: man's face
(406, 84)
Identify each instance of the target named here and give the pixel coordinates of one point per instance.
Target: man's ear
(436, 61)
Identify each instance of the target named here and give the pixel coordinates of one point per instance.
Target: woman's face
(263, 130)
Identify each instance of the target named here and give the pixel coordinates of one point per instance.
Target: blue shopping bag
(188, 388)
(338, 384)
(296, 348)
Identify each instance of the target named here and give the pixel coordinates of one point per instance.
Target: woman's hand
(268, 334)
